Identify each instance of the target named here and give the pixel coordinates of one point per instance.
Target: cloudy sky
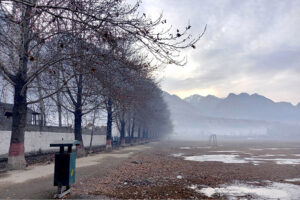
(250, 46)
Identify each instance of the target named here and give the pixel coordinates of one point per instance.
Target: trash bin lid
(60, 143)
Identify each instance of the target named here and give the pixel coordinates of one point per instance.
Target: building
(6, 115)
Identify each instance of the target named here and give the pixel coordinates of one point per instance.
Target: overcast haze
(250, 46)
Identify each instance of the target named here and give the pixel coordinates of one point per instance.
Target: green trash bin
(65, 164)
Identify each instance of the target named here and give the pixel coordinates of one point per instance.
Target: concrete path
(36, 182)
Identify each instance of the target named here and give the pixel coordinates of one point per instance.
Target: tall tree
(26, 26)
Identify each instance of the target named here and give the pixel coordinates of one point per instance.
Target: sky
(250, 46)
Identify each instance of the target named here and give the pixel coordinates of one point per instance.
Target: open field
(251, 170)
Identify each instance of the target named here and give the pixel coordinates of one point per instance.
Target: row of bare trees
(86, 55)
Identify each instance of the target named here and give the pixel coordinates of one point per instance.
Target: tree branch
(49, 95)
(8, 76)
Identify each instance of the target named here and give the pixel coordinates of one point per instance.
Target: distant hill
(182, 113)
(245, 106)
(204, 104)
(240, 115)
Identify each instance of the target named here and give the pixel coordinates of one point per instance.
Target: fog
(238, 116)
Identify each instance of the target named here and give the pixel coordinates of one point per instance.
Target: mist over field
(144, 99)
(241, 116)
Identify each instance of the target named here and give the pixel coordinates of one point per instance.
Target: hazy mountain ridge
(190, 123)
(203, 104)
(245, 106)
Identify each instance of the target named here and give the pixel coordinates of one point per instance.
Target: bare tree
(26, 26)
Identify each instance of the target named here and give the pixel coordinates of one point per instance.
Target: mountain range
(245, 106)
(239, 115)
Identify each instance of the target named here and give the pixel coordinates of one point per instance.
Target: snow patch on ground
(233, 158)
(279, 161)
(179, 177)
(218, 158)
(282, 148)
(293, 180)
(178, 154)
(193, 187)
(225, 151)
(185, 147)
(287, 161)
(273, 148)
(255, 149)
(270, 155)
(272, 191)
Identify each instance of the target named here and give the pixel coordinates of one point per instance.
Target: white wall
(35, 141)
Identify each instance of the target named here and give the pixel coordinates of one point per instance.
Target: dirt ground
(36, 182)
(162, 172)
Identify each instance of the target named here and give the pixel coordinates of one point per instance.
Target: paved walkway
(37, 181)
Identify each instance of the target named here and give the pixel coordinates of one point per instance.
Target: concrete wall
(64, 129)
(39, 141)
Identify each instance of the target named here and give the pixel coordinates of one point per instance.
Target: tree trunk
(78, 131)
(139, 134)
(58, 103)
(109, 125)
(132, 129)
(77, 125)
(145, 135)
(93, 128)
(122, 133)
(16, 159)
(58, 94)
(59, 109)
(78, 118)
(129, 129)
